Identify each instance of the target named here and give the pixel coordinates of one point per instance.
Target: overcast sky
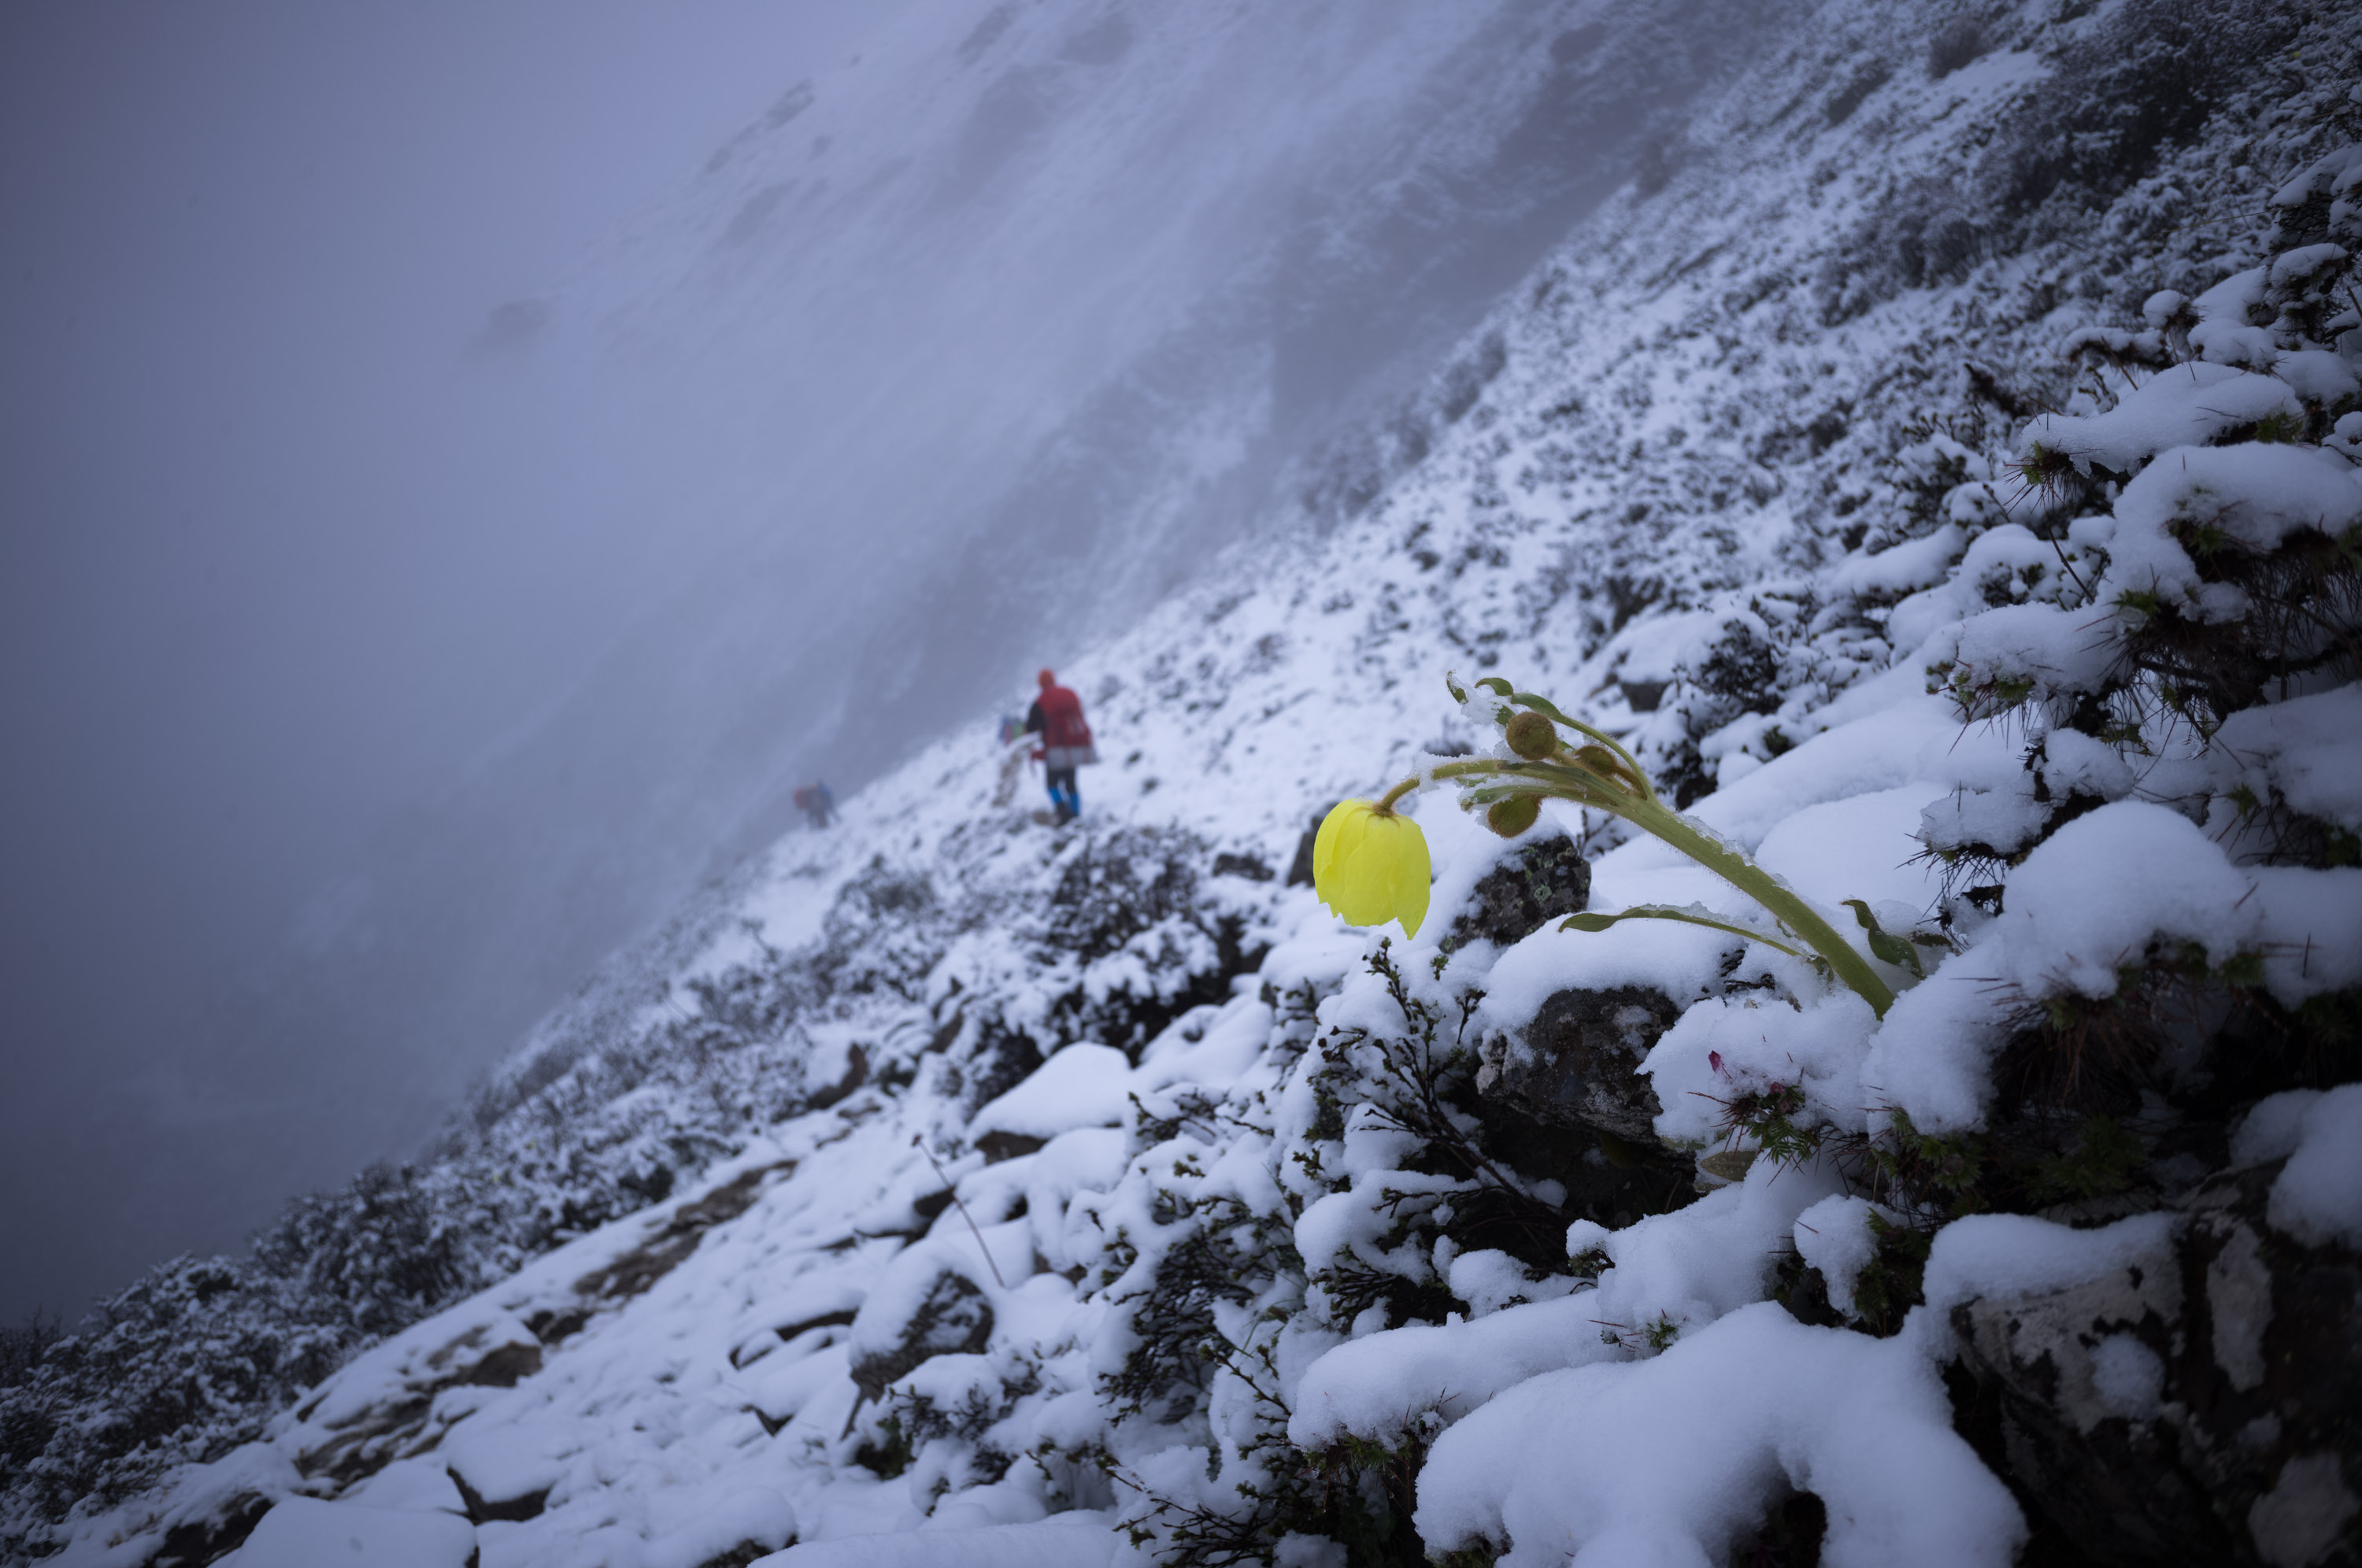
(252, 605)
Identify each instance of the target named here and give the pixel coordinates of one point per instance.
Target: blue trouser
(1064, 796)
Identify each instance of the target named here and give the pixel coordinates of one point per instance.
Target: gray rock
(1544, 877)
(2200, 1406)
(954, 1318)
(1576, 1063)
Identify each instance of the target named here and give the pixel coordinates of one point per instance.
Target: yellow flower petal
(1325, 842)
(1371, 866)
(1411, 875)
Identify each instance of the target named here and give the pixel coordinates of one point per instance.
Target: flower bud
(1513, 815)
(1533, 736)
(1609, 768)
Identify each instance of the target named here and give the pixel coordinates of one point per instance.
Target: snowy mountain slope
(1072, 294)
(1164, 325)
(1264, 1253)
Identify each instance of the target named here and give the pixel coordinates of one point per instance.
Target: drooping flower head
(1371, 866)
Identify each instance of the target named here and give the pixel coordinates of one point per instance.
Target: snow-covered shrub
(2129, 84)
(1122, 937)
(2125, 86)
(2215, 607)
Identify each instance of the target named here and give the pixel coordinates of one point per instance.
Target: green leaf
(1885, 946)
(1691, 916)
(1541, 705)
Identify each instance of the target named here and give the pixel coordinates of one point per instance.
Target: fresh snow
(301, 1533)
(2317, 1197)
(1654, 1462)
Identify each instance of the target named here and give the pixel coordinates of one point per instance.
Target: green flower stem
(1786, 907)
(1651, 815)
(1447, 770)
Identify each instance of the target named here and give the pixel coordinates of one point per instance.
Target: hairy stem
(1651, 815)
(1784, 903)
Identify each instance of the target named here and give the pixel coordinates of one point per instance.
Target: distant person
(1057, 717)
(818, 804)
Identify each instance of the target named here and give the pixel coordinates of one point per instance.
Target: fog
(464, 467)
(259, 599)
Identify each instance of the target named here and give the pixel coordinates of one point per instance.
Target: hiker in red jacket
(818, 804)
(1057, 717)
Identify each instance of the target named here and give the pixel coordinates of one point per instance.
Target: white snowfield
(818, 1358)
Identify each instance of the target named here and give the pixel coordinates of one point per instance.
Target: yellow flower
(1371, 866)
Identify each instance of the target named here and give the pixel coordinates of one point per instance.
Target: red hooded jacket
(1058, 718)
(1062, 718)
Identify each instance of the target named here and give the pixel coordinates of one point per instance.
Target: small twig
(918, 1141)
(2068, 566)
